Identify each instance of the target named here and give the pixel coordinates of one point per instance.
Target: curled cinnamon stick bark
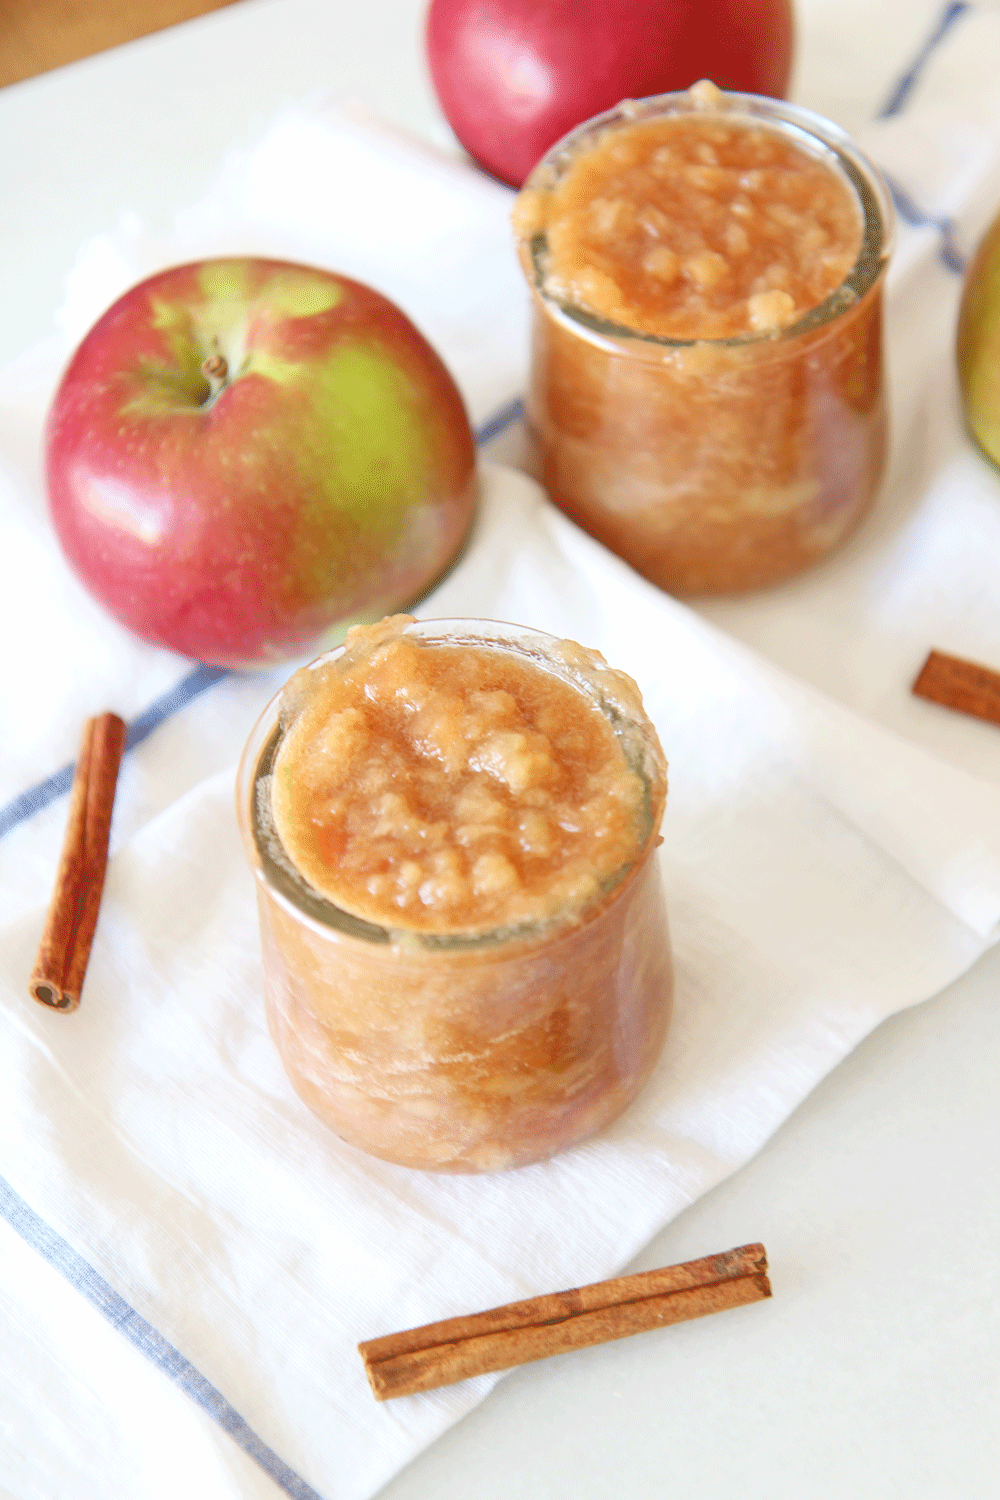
(57, 977)
(960, 684)
(458, 1348)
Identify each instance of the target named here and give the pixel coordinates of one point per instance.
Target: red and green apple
(244, 456)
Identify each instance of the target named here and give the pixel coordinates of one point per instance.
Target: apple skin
(513, 76)
(331, 478)
(978, 344)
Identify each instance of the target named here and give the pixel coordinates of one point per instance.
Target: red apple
(515, 75)
(246, 455)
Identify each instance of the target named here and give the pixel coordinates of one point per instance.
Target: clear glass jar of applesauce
(453, 828)
(706, 392)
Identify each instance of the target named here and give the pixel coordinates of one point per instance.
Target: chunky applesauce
(706, 390)
(695, 226)
(451, 788)
(466, 956)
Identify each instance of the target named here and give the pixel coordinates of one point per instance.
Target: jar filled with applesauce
(706, 392)
(453, 828)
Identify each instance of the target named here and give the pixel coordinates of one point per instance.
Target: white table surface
(875, 1369)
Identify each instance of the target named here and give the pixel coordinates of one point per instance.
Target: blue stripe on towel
(24, 806)
(505, 417)
(82, 1275)
(164, 707)
(896, 102)
(28, 803)
(900, 93)
(908, 211)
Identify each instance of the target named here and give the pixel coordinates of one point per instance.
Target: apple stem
(216, 372)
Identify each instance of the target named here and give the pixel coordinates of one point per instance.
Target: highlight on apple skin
(245, 456)
(513, 76)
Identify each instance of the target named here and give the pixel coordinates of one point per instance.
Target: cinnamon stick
(57, 977)
(960, 684)
(458, 1348)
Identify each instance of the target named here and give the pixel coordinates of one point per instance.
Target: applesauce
(453, 828)
(706, 393)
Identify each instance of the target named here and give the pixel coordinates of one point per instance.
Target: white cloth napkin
(821, 874)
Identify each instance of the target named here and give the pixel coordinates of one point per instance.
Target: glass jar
(712, 465)
(469, 1052)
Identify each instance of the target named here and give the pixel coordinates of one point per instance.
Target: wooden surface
(36, 35)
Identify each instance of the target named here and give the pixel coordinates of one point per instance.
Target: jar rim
(806, 126)
(272, 865)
